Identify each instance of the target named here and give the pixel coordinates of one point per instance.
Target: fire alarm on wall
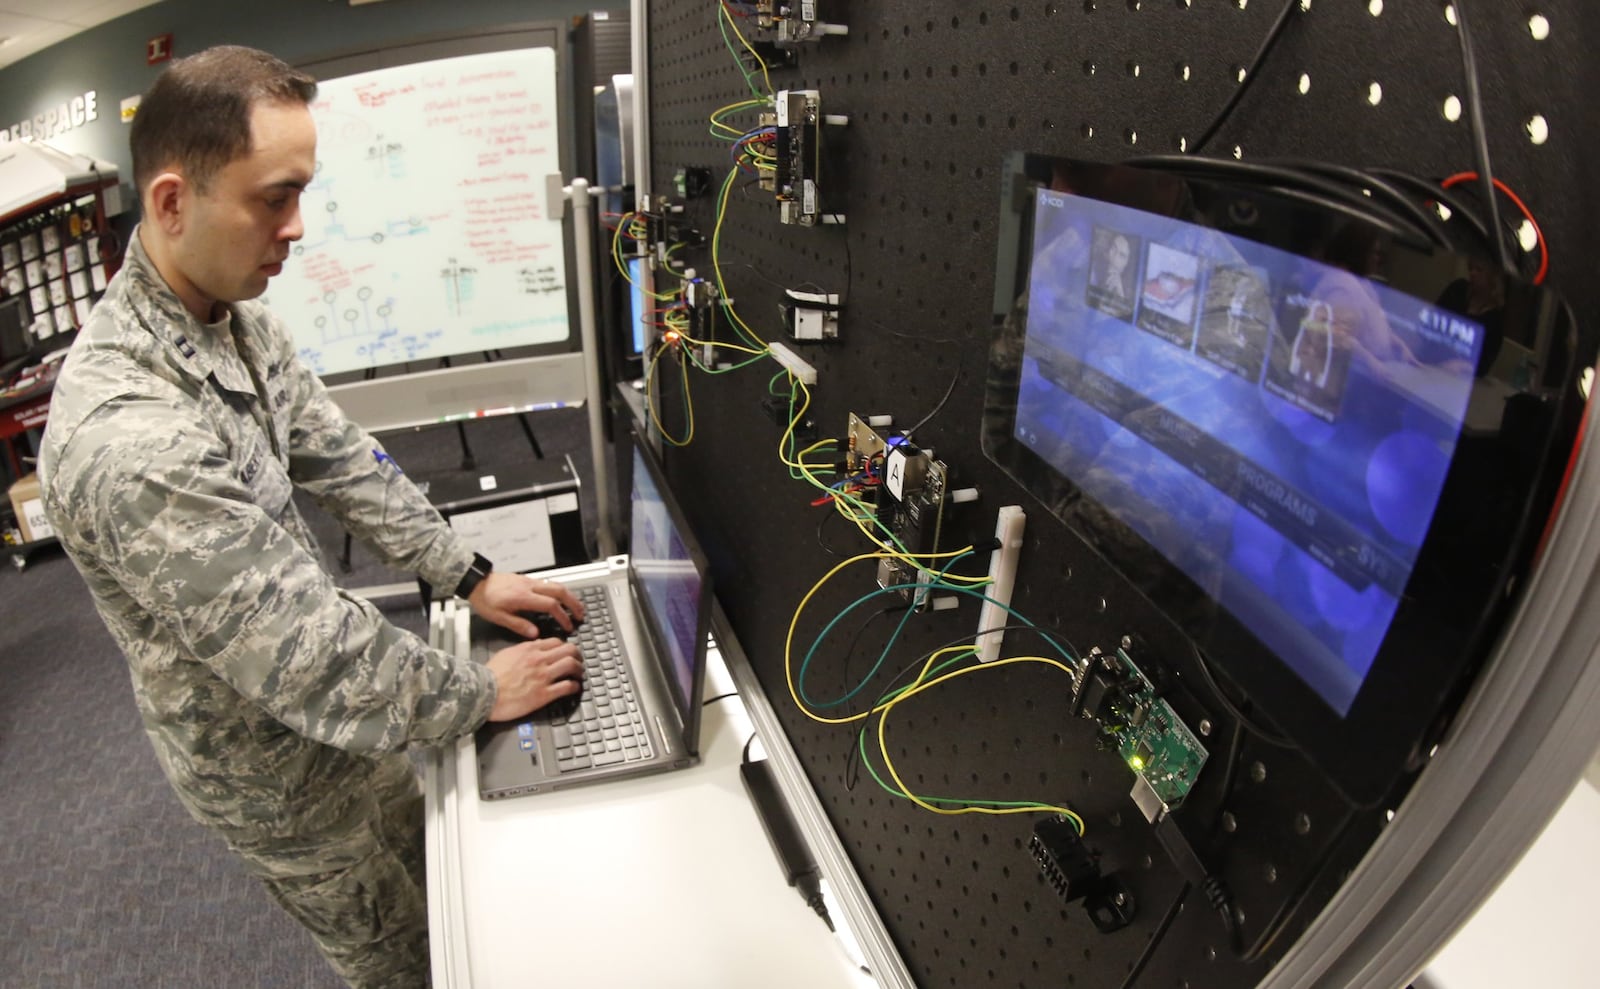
(158, 49)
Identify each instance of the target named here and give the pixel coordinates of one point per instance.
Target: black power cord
(788, 845)
(1480, 136)
(1267, 44)
(1340, 190)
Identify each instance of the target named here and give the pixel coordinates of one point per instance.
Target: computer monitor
(1261, 414)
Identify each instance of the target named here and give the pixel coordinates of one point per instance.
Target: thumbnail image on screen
(1260, 418)
(670, 581)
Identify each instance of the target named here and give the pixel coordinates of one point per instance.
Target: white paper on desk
(515, 537)
(97, 278)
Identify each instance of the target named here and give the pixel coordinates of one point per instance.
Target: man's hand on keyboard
(530, 675)
(502, 596)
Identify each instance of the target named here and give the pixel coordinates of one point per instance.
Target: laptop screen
(670, 581)
(638, 307)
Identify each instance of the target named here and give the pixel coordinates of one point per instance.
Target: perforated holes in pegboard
(936, 92)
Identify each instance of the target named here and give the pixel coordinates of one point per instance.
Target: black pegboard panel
(936, 93)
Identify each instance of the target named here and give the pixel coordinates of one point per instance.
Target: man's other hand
(530, 675)
(503, 597)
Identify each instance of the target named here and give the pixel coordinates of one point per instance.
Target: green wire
(861, 738)
(873, 772)
(722, 23)
(730, 108)
(805, 663)
(716, 252)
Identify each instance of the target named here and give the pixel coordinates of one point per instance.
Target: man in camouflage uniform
(278, 705)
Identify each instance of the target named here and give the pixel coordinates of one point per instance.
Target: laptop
(643, 643)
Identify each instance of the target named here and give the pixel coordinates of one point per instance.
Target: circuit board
(796, 118)
(1154, 741)
(1140, 725)
(907, 489)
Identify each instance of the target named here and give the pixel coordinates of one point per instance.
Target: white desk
(677, 863)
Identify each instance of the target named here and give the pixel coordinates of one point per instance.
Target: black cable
(826, 515)
(1432, 190)
(861, 630)
(1266, 735)
(1425, 219)
(912, 336)
(954, 379)
(1156, 935)
(1296, 183)
(1480, 137)
(1250, 71)
(719, 697)
(746, 757)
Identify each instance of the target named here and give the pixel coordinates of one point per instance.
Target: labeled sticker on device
(894, 473)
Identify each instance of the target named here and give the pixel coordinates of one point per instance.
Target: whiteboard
(426, 233)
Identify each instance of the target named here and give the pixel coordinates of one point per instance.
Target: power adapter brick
(794, 855)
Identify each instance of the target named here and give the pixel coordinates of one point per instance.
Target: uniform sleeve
(350, 476)
(157, 502)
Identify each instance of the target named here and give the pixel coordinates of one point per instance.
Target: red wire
(1544, 251)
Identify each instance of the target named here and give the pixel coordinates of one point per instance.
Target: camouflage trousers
(364, 899)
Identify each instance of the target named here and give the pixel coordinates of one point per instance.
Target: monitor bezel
(1426, 659)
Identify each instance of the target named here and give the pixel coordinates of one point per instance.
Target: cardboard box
(30, 509)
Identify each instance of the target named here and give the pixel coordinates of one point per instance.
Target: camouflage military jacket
(167, 467)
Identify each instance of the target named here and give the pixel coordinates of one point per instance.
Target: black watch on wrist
(475, 575)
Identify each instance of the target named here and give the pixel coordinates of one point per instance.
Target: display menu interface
(1279, 428)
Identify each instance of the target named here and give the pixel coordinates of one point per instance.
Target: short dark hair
(196, 114)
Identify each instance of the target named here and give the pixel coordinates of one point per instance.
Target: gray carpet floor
(105, 881)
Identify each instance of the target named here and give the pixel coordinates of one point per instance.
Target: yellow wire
(686, 338)
(894, 774)
(716, 114)
(716, 259)
(788, 642)
(650, 403)
(800, 413)
(861, 521)
(616, 253)
(723, 10)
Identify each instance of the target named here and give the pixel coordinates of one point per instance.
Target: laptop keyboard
(605, 726)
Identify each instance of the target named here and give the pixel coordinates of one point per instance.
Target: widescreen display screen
(1278, 427)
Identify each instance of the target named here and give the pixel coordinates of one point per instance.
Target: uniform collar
(194, 348)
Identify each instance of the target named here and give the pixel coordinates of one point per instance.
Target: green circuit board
(1154, 741)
